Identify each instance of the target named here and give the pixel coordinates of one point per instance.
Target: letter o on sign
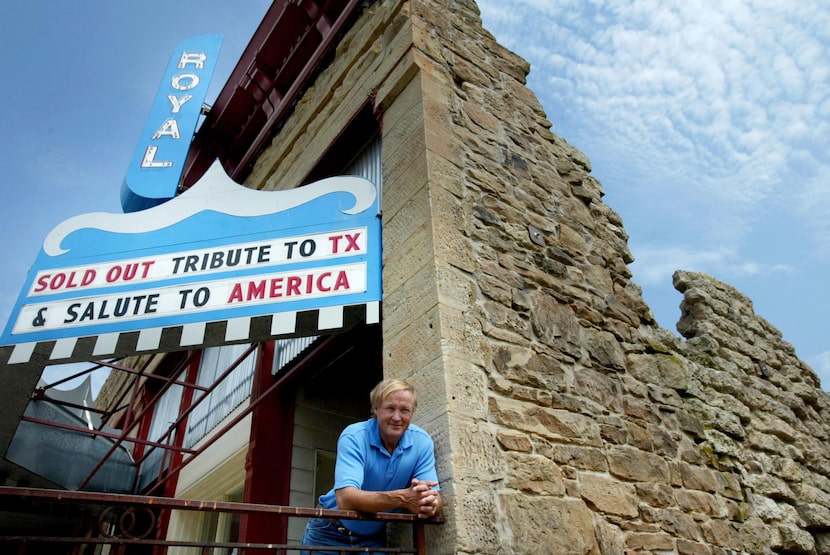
(177, 84)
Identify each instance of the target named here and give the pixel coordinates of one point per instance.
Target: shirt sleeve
(350, 463)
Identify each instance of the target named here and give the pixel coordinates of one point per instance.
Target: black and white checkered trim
(192, 336)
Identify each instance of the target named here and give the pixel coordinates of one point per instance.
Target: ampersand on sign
(40, 319)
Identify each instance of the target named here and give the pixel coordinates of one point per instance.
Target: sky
(708, 124)
(79, 79)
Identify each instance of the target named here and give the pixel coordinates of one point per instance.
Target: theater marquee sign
(220, 263)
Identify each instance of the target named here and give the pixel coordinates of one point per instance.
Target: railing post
(419, 537)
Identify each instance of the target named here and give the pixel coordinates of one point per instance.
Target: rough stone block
(467, 388)
(640, 466)
(648, 542)
(796, 540)
(512, 440)
(655, 494)
(602, 388)
(659, 368)
(604, 349)
(415, 345)
(554, 323)
(608, 496)
(534, 474)
(695, 502)
(686, 547)
(550, 525)
(479, 520)
(698, 478)
(721, 533)
(475, 452)
(550, 423)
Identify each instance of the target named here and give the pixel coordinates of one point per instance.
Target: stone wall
(574, 424)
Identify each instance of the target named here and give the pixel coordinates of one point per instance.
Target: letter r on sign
(195, 58)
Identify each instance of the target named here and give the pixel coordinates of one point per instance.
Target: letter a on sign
(158, 161)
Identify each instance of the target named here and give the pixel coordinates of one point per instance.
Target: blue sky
(79, 79)
(708, 124)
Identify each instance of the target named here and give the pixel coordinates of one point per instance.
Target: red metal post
(268, 469)
(192, 375)
(419, 537)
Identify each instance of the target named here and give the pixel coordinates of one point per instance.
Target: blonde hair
(389, 386)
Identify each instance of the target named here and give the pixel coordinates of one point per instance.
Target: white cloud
(821, 364)
(655, 265)
(812, 197)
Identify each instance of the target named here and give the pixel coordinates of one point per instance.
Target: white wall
(317, 425)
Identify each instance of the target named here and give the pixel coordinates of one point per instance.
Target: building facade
(565, 419)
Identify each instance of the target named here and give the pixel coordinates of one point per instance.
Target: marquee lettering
(220, 259)
(290, 286)
(170, 127)
(350, 238)
(64, 280)
(177, 102)
(102, 310)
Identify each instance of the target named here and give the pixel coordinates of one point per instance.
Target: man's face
(394, 415)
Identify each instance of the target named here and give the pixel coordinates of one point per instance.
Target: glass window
(229, 394)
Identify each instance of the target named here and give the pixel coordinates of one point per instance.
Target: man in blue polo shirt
(383, 464)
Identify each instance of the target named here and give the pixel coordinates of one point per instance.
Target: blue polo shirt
(364, 463)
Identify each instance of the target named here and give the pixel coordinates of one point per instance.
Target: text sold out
(72, 279)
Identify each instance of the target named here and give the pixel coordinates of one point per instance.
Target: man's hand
(429, 500)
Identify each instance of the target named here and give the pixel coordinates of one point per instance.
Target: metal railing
(115, 522)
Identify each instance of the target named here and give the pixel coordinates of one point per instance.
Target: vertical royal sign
(158, 161)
